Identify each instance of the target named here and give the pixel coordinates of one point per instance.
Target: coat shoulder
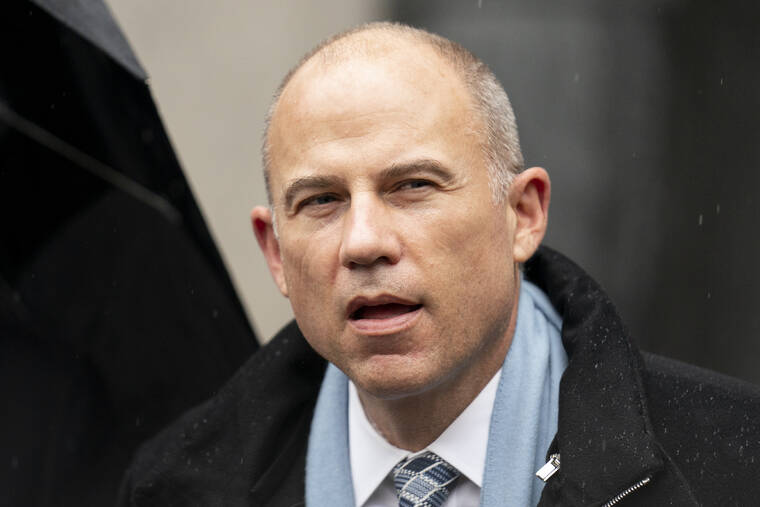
(240, 444)
(709, 424)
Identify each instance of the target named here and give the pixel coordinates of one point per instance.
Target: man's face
(396, 260)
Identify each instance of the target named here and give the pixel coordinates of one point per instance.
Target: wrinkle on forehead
(354, 83)
(389, 57)
(409, 79)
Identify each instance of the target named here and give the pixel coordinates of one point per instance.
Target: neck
(399, 420)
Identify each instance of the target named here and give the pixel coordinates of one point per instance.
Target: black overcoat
(638, 430)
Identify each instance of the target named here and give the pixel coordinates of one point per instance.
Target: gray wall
(646, 116)
(213, 67)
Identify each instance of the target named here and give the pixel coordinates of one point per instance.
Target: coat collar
(604, 437)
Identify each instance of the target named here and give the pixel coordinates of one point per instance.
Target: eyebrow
(311, 183)
(394, 172)
(424, 165)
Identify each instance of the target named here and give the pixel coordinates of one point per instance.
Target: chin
(394, 381)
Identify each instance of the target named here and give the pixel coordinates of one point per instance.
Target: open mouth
(382, 311)
(382, 315)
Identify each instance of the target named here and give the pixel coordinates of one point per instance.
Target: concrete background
(646, 115)
(213, 67)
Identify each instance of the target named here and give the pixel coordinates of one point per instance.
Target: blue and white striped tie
(423, 481)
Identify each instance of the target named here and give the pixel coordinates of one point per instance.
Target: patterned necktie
(423, 481)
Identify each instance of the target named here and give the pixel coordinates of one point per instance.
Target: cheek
(308, 263)
(472, 241)
(309, 268)
(469, 259)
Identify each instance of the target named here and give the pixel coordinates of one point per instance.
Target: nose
(369, 234)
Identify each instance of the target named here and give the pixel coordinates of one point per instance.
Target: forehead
(359, 104)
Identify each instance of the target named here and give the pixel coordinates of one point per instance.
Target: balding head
(498, 138)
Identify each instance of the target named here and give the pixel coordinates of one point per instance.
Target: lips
(382, 311)
(382, 314)
(379, 307)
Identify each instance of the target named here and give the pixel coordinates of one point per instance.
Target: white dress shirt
(463, 444)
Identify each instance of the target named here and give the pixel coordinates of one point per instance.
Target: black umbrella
(116, 311)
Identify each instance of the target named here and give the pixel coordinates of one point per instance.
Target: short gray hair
(501, 148)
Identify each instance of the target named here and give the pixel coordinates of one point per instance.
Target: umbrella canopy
(116, 310)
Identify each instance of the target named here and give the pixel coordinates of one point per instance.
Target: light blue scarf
(523, 422)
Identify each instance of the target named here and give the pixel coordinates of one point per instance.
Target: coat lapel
(604, 436)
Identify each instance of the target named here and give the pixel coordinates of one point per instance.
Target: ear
(529, 196)
(261, 219)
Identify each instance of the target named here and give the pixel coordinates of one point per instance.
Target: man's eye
(413, 184)
(318, 200)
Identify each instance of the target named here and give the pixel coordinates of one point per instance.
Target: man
(400, 214)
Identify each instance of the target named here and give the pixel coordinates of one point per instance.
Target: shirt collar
(463, 444)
